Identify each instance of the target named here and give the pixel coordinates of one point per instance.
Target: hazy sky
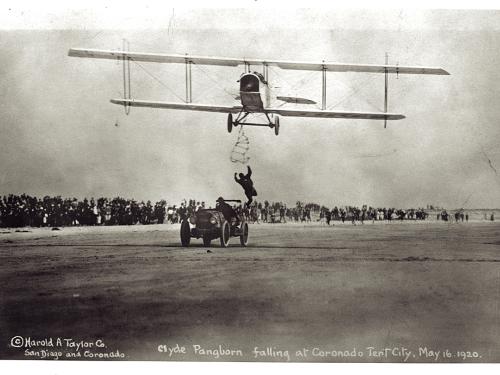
(59, 133)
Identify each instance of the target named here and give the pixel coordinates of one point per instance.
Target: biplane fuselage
(254, 92)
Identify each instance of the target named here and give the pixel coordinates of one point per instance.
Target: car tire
(225, 234)
(185, 233)
(244, 234)
(206, 241)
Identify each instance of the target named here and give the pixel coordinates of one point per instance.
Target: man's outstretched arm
(249, 174)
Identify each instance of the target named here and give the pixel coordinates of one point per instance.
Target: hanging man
(246, 182)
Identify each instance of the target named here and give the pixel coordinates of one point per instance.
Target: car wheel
(207, 241)
(225, 234)
(244, 234)
(185, 233)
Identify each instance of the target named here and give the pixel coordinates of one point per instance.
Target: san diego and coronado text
(67, 348)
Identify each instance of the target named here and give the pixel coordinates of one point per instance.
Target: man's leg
(248, 194)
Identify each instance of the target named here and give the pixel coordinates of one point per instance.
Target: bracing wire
(278, 78)
(355, 91)
(214, 80)
(304, 80)
(157, 80)
(240, 148)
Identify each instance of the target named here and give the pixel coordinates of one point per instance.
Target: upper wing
(152, 57)
(360, 68)
(336, 114)
(226, 61)
(185, 106)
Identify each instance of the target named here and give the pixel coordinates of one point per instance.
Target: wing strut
(323, 100)
(127, 94)
(386, 87)
(189, 87)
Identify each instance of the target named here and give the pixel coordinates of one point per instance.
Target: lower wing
(278, 111)
(335, 114)
(184, 106)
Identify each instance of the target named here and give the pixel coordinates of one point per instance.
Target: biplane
(254, 89)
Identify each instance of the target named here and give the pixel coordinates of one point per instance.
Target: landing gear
(275, 125)
(229, 122)
(243, 115)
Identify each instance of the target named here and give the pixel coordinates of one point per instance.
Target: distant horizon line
(425, 207)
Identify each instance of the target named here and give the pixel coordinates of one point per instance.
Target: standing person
(321, 216)
(182, 212)
(170, 214)
(328, 216)
(107, 214)
(282, 214)
(308, 215)
(246, 182)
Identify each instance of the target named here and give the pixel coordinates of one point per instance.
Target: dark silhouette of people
(246, 182)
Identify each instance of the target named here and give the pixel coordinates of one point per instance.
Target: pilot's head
(220, 199)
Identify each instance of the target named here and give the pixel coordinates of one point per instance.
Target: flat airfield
(428, 286)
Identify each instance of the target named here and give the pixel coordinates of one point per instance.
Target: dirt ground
(364, 293)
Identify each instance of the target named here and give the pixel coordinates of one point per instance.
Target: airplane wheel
(244, 234)
(206, 241)
(225, 234)
(185, 233)
(277, 125)
(229, 122)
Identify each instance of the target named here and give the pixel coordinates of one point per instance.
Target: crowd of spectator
(460, 216)
(28, 211)
(278, 212)
(308, 212)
